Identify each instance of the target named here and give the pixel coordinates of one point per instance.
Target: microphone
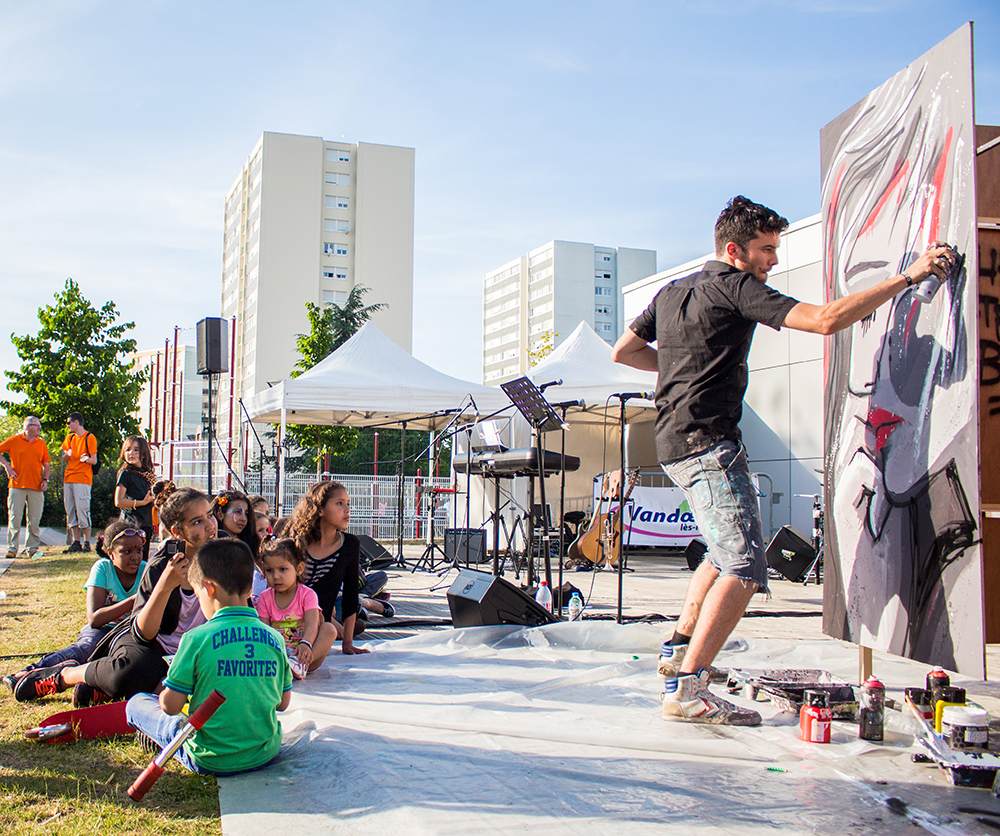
(567, 404)
(545, 386)
(625, 396)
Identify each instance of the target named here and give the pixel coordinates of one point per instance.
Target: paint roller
(151, 774)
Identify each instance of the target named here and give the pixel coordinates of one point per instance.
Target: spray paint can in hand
(815, 717)
(872, 711)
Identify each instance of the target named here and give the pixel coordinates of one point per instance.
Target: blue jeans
(144, 714)
(79, 651)
(723, 500)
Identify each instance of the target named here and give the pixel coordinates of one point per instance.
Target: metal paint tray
(785, 688)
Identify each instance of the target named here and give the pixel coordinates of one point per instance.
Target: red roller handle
(142, 784)
(195, 721)
(206, 709)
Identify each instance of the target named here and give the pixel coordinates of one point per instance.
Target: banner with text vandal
(655, 517)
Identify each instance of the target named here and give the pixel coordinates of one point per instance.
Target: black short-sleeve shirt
(703, 325)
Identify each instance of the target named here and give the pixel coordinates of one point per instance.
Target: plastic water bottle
(544, 596)
(575, 607)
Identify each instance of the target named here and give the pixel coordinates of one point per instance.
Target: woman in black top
(134, 490)
(319, 527)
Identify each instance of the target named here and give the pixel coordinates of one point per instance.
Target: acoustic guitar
(599, 543)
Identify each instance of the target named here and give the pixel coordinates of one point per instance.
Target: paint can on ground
(966, 727)
(871, 726)
(947, 696)
(921, 698)
(936, 680)
(814, 718)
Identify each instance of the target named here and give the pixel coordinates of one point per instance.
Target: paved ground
(655, 587)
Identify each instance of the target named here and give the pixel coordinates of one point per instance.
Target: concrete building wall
(550, 291)
(383, 257)
(783, 411)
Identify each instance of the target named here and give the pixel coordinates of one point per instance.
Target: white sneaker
(672, 657)
(299, 670)
(688, 698)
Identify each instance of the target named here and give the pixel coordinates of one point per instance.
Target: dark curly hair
(171, 502)
(114, 528)
(249, 532)
(304, 526)
(743, 220)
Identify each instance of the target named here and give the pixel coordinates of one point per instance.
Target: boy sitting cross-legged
(235, 653)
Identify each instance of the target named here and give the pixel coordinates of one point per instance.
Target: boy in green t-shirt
(235, 653)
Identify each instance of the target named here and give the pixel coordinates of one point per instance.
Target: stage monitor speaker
(694, 554)
(373, 553)
(478, 598)
(790, 553)
(454, 545)
(213, 347)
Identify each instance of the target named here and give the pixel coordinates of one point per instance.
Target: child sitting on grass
(292, 608)
(234, 653)
(111, 588)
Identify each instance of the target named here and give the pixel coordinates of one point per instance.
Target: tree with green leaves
(329, 328)
(78, 362)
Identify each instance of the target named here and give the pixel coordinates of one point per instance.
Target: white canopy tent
(583, 363)
(371, 381)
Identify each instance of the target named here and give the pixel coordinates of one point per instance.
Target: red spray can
(814, 718)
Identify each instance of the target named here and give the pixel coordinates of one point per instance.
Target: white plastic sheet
(497, 730)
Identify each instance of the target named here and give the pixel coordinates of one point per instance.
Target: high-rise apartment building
(550, 291)
(306, 221)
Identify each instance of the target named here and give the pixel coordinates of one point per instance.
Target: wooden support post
(864, 664)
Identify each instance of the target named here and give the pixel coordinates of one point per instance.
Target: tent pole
(279, 469)
(400, 560)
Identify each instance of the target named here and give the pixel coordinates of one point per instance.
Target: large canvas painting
(902, 555)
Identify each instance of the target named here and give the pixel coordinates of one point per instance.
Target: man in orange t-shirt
(27, 479)
(79, 453)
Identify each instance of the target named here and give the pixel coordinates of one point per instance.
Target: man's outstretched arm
(841, 313)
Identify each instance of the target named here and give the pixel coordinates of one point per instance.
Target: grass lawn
(76, 788)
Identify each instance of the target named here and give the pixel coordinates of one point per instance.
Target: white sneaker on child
(299, 670)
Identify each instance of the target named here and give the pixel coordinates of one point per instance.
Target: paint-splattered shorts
(723, 500)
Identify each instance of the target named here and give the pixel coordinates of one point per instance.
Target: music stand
(542, 418)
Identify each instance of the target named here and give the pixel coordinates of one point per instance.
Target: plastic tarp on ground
(557, 730)
(370, 380)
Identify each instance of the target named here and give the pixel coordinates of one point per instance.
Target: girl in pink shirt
(292, 608)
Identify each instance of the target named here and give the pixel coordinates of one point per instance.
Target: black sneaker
(41, 682)
(388, 611)
(86, 546)
(147, 744)
(85, 695)
(11, 679)
(73, 548)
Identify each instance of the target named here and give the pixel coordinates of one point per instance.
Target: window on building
(607, 258)
(605, 326)
(334, 297)
(341, 249)
(603, 310)
(335, 179)
(334, 155)
(602, 291)
(336, 226)
(338, 273)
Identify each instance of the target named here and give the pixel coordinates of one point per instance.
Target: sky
(124, 122)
